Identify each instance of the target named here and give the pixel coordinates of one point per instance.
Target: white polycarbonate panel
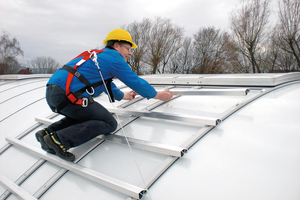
(20, 119)
(72, 187)
(40, 177)
(253, 154)
(116, 160)
(17, 88)
(15, 104)
(203, 105)
(159, 131)
(14, 162)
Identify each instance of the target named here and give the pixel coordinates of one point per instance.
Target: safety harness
(89, 88)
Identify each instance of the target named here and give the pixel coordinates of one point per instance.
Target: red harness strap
(86, 55)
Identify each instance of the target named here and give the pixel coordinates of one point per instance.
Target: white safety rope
(94, 58)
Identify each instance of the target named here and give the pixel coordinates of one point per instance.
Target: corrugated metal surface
(253, 154)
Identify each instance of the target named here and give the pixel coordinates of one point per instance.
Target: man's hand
(165, 95)
(129, 95)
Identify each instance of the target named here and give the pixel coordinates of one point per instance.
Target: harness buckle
(90, 93)
(85, 102)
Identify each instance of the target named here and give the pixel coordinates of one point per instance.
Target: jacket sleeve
(123, 72)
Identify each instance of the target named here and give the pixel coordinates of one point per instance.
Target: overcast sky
(63, 29)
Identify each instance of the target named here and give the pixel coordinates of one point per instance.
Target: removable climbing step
(110, 182)
(229, 92)
(146, 145)
(209, 121)
(140, 144)
(14, 188)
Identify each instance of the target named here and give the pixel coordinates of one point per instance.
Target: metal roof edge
(262, 79)
(23, 76)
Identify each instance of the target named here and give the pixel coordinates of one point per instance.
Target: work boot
(59, 149)
(40, 138)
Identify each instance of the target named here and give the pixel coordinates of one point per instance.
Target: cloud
(63, 29)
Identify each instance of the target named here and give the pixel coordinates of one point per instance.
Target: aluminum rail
(234, 92)
(24, 176)
(62, 171)
(110, 182)
(44, 121)
(145, 145)
(140, 144)
(14, 188)
(92, 145)
(203, 131)
(197, 120)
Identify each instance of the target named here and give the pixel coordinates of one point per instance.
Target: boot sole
(45, 147)
(51, 144)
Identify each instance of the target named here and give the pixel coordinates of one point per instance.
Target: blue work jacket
(112, 64)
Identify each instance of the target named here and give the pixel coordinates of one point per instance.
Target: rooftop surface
(229, 136)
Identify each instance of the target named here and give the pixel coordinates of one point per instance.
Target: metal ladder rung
(197, 120)
(145, 145)
(110, 182)
(44, 121)
(16, 189)
(141, 144)
(235, 92)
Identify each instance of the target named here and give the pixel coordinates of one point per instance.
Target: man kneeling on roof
(85, 119)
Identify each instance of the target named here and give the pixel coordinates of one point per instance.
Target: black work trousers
(80, 124)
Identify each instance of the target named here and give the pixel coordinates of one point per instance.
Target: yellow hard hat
(120, 35)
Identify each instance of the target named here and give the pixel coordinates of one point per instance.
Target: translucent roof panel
(254, 154)
(229, 136)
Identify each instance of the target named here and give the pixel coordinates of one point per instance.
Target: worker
(70, 92)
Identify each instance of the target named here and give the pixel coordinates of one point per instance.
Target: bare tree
(44, 65)
(9, 49)
(288, 28)
(181, 62)
(165, 40)
(140, 35)
(249, 25)
(278, 59)
(209, 51)
(272, 51)
(286, 63)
